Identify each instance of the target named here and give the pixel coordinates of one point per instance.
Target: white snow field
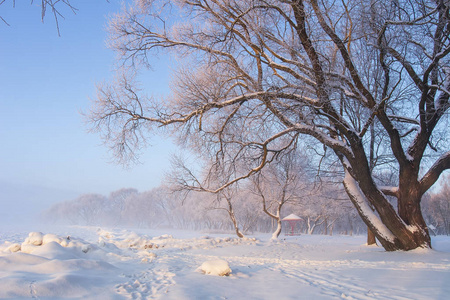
(93, 263)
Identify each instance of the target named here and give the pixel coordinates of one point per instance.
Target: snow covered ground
(93, 263)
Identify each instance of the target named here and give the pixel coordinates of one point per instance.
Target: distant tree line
(162, 208)
(437, 209)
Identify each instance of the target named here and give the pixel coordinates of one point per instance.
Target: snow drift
(92, 263)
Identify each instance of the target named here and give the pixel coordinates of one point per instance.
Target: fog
(21, 204)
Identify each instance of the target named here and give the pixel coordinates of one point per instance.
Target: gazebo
(294, 224)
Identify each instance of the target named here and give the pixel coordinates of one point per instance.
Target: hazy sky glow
(45, 81)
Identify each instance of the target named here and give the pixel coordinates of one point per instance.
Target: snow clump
(37, 240)
(14, 247)
(218, 267)
(34, 238)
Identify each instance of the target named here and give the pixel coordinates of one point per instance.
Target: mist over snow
(21, 204)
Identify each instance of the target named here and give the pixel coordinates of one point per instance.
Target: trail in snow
(149, 284)
(32, 290)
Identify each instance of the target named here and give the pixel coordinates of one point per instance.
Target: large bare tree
(256, 76)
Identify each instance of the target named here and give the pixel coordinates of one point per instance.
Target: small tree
(279, 184)
(228, 196)
(183, 179)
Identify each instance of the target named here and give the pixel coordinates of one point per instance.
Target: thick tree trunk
(371, 239)
(388, 226)
(411, 213)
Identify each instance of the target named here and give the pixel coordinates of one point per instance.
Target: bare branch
(442, 164)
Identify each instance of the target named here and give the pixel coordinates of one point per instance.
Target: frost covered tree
(322, 211)
(228, 194)
(183, 180)
(140, 210)
(86, 209)
(280, 183)
(115, 206)
(255, 77)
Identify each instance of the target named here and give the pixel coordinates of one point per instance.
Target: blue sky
(46, 80)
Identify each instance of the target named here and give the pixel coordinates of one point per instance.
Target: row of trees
(254, 208)
(437, 209)
(160, 208)
(288, 185)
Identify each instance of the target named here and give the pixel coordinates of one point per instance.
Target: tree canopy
(365, 79)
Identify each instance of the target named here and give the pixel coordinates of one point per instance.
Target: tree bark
(410, 211)
(371, 240)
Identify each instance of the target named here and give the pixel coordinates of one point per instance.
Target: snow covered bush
(217, 267)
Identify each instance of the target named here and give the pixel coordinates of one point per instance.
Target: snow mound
(14, 247)
(49, 237)
(34, 238)
(217, 267)
(48, 266)
(125, 239)
(38, 243)
(163, 237)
